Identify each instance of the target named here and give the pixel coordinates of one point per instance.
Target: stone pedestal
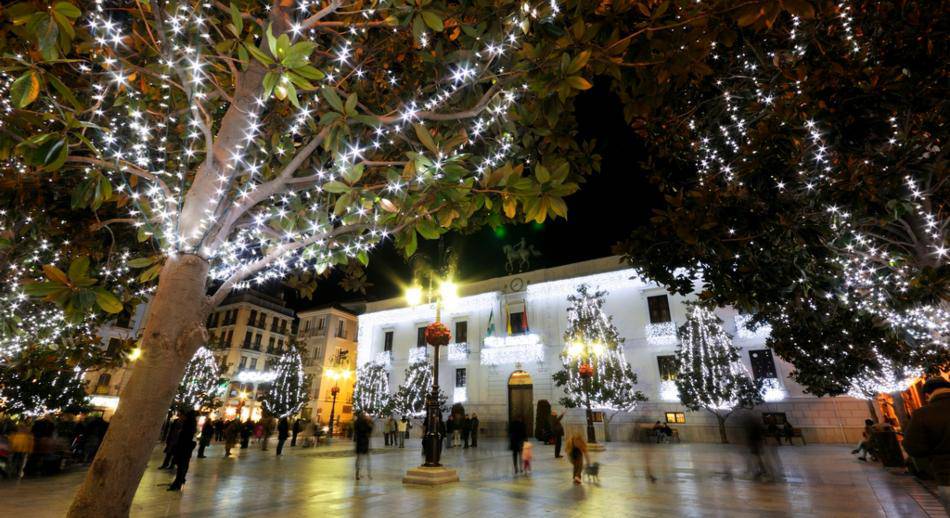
(424, 476)
(596, 446)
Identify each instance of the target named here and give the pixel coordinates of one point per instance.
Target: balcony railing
(744, 330)
(512, 349)
(384, 358)
(663, 333)
(418, 354)
(458, 352)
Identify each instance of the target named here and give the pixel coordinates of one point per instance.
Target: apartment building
(327, 340)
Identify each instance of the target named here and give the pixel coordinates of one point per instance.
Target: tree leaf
(79, 268)
(67, 9)
(331, 96)
(142, 262)
(25, 89)
(433, 20)
(578, 83)
(425, 138)
(258, 55)
(55, 274)
(64, 91)
(107, 301)
(236, 19)
(542, 174)
(335, 187)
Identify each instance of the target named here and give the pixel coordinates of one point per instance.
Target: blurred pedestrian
(183, 448)
(402, 429)
(207, 432)
(21, 445)
(296, 431)
(247, 429)
(527, 454)
(362, 430)
(466, 430)
(171, 439)
(557, 430)
(516, 436)
(219, 430)
(928, 435)
(577, 453)
(231, 432)
(473, 429)
(283, 431)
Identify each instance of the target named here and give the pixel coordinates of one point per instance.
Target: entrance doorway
(521, 400)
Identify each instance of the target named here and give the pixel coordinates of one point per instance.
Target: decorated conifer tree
(410, 397)
(711, 375)
(612, 380)
(197, 386)
(36, 382)
(286, 393)
(371, 392)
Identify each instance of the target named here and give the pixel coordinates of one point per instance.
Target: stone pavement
(635, 480)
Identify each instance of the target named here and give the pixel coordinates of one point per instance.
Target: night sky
(604, 211)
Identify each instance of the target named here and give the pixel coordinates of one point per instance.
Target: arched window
(102, 384)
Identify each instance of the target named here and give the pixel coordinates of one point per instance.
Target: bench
(796, 434)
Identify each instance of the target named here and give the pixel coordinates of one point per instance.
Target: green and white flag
(491, 323)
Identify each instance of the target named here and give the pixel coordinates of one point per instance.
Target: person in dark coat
(466, 430)
(516, 436)
(207, 432)
(231, 433)
(557, 431)
(283, 431)
(296, 430)
(928, 435)
(183, 449)
(473, 429)
(246, 430)
(219, 430)
(362, 429)
(171, 439)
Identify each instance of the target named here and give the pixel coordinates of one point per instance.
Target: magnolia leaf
(142, 262)
(55, 274)
(335, 187)
(331, 96)
(107, 301)
(579, 83)
(433, 20)
(79, 268)
(236, 19)
(25, 89)
(425, 138)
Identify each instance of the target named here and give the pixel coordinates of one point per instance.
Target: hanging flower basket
(585, 370)
(437, 334)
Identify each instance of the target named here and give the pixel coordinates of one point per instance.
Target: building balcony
(457, 352)
(384, 358)
(744, 329)
(500, 350)
(662, 333)
(418, 354)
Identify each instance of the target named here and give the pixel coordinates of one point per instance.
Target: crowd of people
(45, 445)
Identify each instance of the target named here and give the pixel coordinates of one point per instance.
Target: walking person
(231, 432)
(21, 445)
(247, 428)
(466, 430)
(928, 435)
(207, 432)
(516, 437)
(402, 429)
(283, 431)
(473, 429)
(219, 430)
(577, 453)
(362, 429)
(452, 429)
(183, 449)
(527, 453)
(557, 430)
(296, 430)
(171, 439)
(259, 432)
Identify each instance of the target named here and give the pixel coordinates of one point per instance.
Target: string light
(286, 393)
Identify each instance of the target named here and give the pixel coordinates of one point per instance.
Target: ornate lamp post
(436, 335)
(587, 354)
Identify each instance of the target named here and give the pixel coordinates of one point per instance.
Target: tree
(35, 382)
(286, 393)
(371, 392)
(803, 180)
(198, 384)
(410, 397)
(711, 375)
(252, 140)
(611, 386)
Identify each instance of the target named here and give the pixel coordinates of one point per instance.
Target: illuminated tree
(410, 397)
(286, 393)
(199, 382)
(371, 392)
(711, 375)
(250, 140)
(35, 382)
(612, 382)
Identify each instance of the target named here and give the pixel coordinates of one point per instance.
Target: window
(421, 337)
(675, 417)
(247, 339)
(519, 323)
(306, 326)
(388, 341)
(262, 321)
(317, 351)
(230, 336)
(243, 363)
(102, 385)
(283, 327)
(253, 363)
(321, 323)
(659, 309)
(257, 341)
(341, 329)
(460, 377)
(273, 324)
(461, 332)
(763, 366)
(252, 320)
(270, 344)
(115, 345)
(667, 365)
(280, 345)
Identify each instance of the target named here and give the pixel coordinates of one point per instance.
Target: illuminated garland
(410, 397)
(287, 392)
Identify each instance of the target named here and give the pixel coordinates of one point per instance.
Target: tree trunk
(722, 429)
(173, 332)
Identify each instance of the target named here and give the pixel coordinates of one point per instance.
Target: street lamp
(586, 354)
(335, 375)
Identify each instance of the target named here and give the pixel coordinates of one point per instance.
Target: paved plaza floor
(635, 480)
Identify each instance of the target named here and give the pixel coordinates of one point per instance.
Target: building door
(521, 400)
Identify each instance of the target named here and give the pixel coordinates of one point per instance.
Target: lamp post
(432, 471)
(586, 354)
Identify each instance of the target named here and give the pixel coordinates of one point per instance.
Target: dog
(308, 442)
(592, 472)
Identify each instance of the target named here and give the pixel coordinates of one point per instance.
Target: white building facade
(507, 372)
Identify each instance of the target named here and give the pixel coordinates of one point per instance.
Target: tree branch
(309, 23)
(464, 114)
(124, 167)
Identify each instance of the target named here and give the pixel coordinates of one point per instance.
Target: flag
(527, 328)
(507, 320)
(491, 323)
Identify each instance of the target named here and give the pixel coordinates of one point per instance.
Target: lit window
(675, 417)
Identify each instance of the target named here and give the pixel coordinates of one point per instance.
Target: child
(526, 456)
